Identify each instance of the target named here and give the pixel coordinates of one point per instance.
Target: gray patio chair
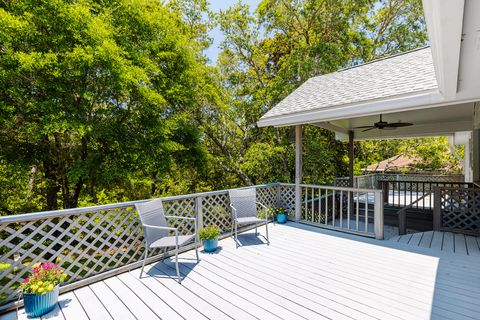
(156, 231)
(244, 210)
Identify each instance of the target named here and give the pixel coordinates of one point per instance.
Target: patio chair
(156, 231)
(244, 210)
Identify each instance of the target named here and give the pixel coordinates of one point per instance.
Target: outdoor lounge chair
(244, 210)
(156, 231)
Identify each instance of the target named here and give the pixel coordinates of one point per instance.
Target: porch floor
(305, 273)
(442, 241)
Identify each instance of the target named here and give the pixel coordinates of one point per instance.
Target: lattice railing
(457, 209)
(98, 240)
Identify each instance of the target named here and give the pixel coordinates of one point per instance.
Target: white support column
(464, 138)
(467, 161)
(476, 143)
(298, 172)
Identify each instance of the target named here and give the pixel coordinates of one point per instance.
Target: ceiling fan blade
(363, 127)
(370, 128)
(399, 124)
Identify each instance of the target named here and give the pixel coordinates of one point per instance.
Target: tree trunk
(52, 185)
(31, 181)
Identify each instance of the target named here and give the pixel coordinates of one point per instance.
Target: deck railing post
(384, 184)
(278, 196)
(378, 215)
(298, 172)
(437, 210)
(199, 211)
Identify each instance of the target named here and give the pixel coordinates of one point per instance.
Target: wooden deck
(446, 242)
(306, 273)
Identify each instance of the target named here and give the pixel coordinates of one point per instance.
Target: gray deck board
(447, 242)
(115, 306)
(71, 307)
(305, 273)
(91, 304)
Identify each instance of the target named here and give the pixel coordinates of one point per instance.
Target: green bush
(265, 213)
(210, 232)
(4, 266)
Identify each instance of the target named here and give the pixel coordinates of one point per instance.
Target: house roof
(396, 76)
(395, 162)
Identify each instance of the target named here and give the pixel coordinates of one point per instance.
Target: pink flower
(25, 280)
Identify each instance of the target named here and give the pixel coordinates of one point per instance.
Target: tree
(267, 55)
(93, 92)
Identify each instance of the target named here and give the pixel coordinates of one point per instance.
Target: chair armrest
(160, 228)
(261, 204)
(185, 218)
(179, 217)
(234, 212)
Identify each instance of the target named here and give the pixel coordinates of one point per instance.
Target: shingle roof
(406, 73)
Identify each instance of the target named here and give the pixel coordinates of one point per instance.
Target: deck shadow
(251, 239)
(217, 251)
(166, 269)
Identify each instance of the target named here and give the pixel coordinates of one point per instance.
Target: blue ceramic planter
(37, 305)
(282, 218)
(210, 245)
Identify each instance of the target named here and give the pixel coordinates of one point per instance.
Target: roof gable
(407, 73)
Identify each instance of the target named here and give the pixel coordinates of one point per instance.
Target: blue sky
(216, 34)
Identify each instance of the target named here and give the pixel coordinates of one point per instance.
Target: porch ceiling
(439, 121)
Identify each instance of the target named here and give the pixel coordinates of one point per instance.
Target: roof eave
(417, 100)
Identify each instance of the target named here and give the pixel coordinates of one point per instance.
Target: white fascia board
(372, 107)
(444, 21)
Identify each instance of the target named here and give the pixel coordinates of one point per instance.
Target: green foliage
(433, 153)
(265, 213)
(210, 232)
(96, 96)
(106, 101)
(4, 266)
(280, 211)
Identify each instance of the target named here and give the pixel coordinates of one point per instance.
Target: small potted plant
(209, 236)
(281, 215)
(40, 290)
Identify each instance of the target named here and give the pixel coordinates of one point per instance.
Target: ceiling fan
(383, 125)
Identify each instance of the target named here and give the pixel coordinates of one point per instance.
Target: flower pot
(37, 305)
(282, 218)
(210, 245)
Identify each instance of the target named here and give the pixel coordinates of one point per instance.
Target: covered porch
(431, 91)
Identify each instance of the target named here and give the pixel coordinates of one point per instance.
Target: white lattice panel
(287, 197)
(89, 243)
(460, 209)
(267, 196)
(216, 211)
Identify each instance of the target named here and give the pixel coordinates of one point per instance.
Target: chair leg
(176, 265)
(196, 251)
(266, 229)
(144, 259)
(164, 253)
(236, 234)
(256, 230)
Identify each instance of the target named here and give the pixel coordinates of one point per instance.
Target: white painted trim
(371, 107)
(444, 21)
